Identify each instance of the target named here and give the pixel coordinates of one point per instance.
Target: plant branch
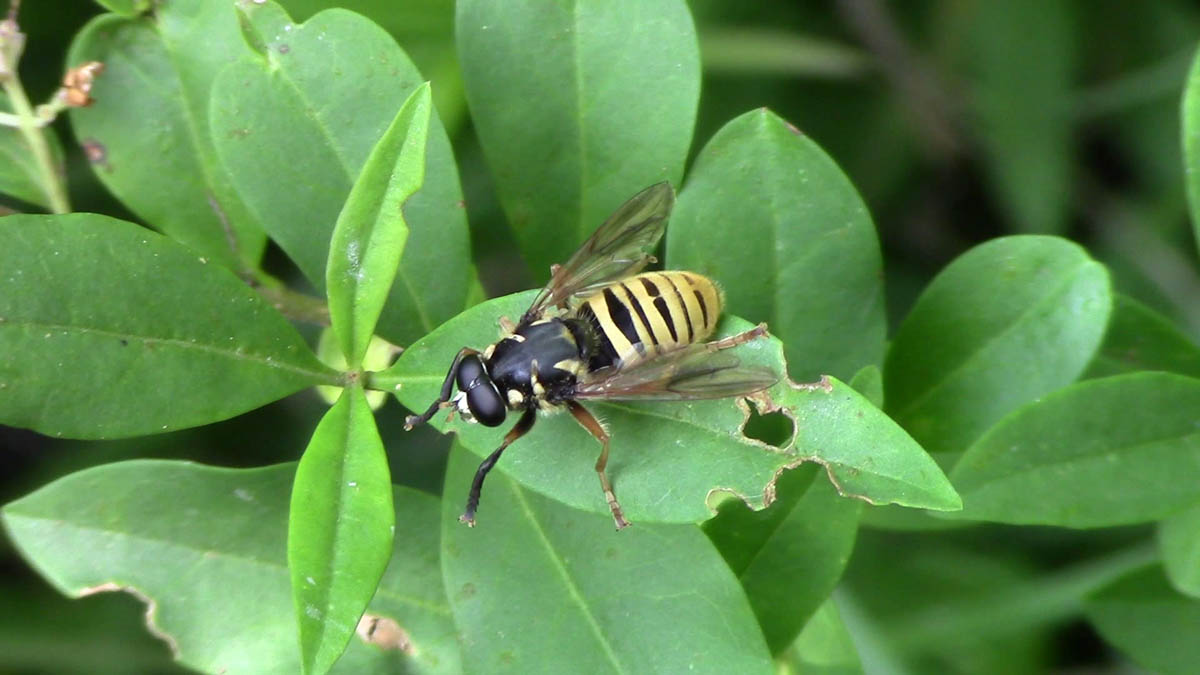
(292, 304)
(12, 42)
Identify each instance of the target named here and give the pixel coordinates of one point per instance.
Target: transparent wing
(619, 248)
(693, 372)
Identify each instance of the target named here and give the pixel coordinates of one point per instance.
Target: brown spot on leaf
(96, 153)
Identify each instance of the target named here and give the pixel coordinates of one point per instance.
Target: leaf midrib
(568, 582)
(1020, 320)
(233, 355)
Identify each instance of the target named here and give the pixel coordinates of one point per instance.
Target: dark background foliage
(957, 120)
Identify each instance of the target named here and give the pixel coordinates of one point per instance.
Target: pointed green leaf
(339, 530)
(674, 461)
(1179, 545)
(369, 236)
(788, 557)
(19, 173)
(1144, 617)
(1006, 322)
(1139, 338)
(206, 546)
(295, 126)
(773, 219)
(108, 330)
(539, 587)
(578, 106)
(147, 135)
(1113, 451)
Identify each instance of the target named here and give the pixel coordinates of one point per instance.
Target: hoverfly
(601, 330)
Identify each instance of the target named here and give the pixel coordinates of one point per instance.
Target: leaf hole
(774, 428)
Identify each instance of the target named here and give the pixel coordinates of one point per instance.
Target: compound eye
(483, 400)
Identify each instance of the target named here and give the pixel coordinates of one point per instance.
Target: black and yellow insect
(600, 330)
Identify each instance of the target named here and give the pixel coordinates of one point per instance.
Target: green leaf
(1139, 338)
(1179, 545)
(539, 587)
(1020, 99)
(206, 547)
(1145, 618)
(1190, 120)
(868, 381)
(578, 106)
(788, 557)
(295, 126)
(825, 646)
(771, 217)
(126, 7)
(19, 173)
(1008, 321)
(147, 135)
(1113, 451)
(369, 236)
(110, 330)
(340, 528)
(675, 461)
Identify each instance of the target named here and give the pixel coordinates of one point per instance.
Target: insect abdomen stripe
(653, 312)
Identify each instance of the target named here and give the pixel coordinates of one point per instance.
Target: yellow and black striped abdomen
(652, 313)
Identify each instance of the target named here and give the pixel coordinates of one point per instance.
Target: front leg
(519, 429)
(447, 389)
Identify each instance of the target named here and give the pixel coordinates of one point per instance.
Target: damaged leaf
(218, 590)
(674, 461)
(789, 556)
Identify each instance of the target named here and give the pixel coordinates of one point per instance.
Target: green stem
(294, 305)
(28, 123)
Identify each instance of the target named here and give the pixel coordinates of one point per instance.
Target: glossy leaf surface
(674, 461)
(108, 330)
(1008, 321)
(295, 137)
(207, 547)
(616, 85)
(340, 528)
(538, 586)
(147, 135)
(1059, 461)
(370, 233)
(773, 219)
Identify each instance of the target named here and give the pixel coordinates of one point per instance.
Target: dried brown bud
(77, 84)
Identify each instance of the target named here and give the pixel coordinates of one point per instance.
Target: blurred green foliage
(957, 121)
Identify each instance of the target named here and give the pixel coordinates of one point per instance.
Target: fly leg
(740, 339)
(589, 422)
(519, 429)
(447, 389)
